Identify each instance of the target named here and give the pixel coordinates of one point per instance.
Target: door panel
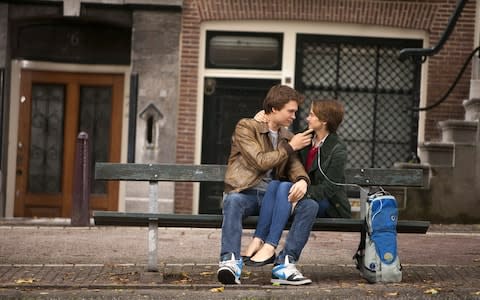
(95, 118)
(46, 139)
(55, 107)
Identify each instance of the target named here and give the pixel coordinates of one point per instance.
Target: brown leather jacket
(252, 155)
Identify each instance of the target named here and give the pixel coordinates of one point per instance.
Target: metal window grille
(376, 88)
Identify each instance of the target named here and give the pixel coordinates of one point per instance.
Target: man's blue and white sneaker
(230, 269)
(287, 273)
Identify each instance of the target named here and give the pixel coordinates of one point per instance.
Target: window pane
(95, 116)
(244, 51)
(46, 139)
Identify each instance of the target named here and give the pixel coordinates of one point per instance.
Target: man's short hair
(330, 111)
(278, 96)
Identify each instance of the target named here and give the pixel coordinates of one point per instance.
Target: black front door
(226, 101)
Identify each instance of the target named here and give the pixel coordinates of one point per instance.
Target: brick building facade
(430, 17)
(168, 40)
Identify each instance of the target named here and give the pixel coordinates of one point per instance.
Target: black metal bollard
(81, 183)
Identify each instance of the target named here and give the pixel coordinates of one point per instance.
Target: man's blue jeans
(274, 212)
(236, 207)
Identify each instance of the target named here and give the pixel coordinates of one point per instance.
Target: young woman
(324, 160)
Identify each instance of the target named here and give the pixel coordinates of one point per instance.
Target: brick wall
(429, 15)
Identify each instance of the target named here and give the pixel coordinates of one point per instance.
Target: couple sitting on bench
(265, 176)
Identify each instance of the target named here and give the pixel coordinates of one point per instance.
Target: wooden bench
(153, 173)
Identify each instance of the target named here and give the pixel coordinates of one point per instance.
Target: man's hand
(297, 191)
(300, 140)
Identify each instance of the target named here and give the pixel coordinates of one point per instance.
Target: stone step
(472, 109)
(436, 153)
(459, 131)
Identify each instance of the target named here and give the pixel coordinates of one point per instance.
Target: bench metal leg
(153, 228)
(363, 201)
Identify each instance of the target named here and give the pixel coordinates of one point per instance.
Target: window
(376, 88)
(244, 50)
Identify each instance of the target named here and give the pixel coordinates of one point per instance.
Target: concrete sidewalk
(50, 260)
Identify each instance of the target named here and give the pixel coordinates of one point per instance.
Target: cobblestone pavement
(330, 281)
(62, 262)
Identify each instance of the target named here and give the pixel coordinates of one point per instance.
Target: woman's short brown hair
(330, 111)
(278, 96)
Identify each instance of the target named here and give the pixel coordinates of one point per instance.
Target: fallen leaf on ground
(431, 291)
(476, 293)
(391, 294)
(24, 280)
(206, 273)
(183, 278)
(217, 290)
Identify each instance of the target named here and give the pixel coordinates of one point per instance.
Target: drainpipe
(476, 42)
(476, 80)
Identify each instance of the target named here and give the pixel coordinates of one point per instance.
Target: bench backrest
(216, 173)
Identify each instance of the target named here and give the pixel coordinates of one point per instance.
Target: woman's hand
(297, 191)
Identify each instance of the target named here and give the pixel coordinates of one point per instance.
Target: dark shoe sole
(290, 282)
(246, 258)
(253, 263)
(226, 277)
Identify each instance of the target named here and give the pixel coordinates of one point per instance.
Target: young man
(259, 153)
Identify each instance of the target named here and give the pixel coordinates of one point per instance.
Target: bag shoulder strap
(361, 246)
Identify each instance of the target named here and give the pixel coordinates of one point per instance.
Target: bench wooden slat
(159, 172)
(215, 173)
(110, 218)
